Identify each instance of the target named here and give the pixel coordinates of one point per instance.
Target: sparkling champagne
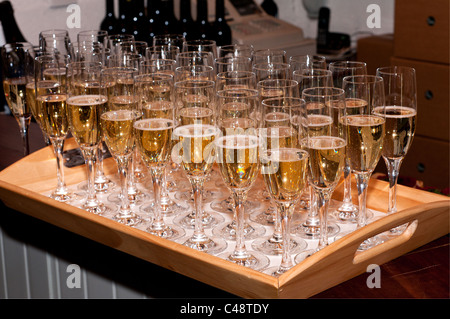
(195, 115)
(326, 160)
(365, 135)
(284, 171)
(117, 128)
(235, 110)
(158, 109)
(196, 148)
(15, 93)
(319, 125)
(84, 112)
(122, 102)
(238, 159)
(400, 129)
(154, 140)
(279, 137)
(54, 114)
(276, 119)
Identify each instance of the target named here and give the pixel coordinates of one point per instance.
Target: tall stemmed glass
(197, 153)
(195, 104)
(278, 137)
(365, 128)
(401, 114)
(86, 99)
(51, 96)
(326, 146)
(347, 212)
(154, 141)
(285, 173)
(308, 61)
(117, 128)
(121, 96)
(200, 46)
(18, 70)
(239, 164)
(237, 114)
(155, 98)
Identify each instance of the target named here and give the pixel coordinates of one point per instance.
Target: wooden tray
(427, 214)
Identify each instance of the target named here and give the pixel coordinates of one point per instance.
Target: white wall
(347, 16)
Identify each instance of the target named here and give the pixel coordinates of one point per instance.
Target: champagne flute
(154, 141)
(271, 70)
(117, 128)
(277, 133)
(326, 146)
(239, 164)
(228, 64)
(18, 70)
(269, 56)
(237, 115)
(308, 78)
(308, 61)
(401, 113)
(201, 45)
(365, 128)
(162, 52)
(171, 40)
(347, 212)
(155, 98)
(85, 103)
(197, 153)
(51, 96)
(185, 58)
(235, 50)
(158, 66)
(194, 72)
(235, 80)
(285, 173)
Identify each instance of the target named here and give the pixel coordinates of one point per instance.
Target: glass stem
(58, 146)
(393, 167)
(122, 163)
(90, 156)
(24, 124)
(99, 164)
(362, 182)
(197, 188)
(323, 198)
(157, 176)
(240, 250)
(286, 210)
(313, 214)
(347, 185)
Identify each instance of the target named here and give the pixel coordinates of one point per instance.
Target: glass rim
(214, 130)
(362, 78)
(346, 64)
(300, 101)
(137, 124)
(289, 82)
(153, 77)
(318, 91)
(395, 69)
(320, 72)
(220, 93)
(201, 84)
(239, 138)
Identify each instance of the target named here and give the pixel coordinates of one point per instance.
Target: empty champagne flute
(228, 64)
(347, 212)
(202, 45)
(51, 96)
(285, 174)
(235, 50)
(194, 72)
(365, 129)
(161, 52)
(266, 71)
(86, 99)
(154, 142)
(239, 164)
(235, 80)
(325, 143)
(401, 114)
(171, 40)
(269, 56)
(18, 71)
(196, 150)
(308, 61)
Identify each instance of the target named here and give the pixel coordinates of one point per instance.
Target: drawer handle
(428, 94)
(431, 21)
(421, 167)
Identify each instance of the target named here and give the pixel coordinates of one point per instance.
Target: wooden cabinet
(421, 40)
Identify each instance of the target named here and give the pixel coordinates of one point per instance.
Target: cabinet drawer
(422, 30)
(427, 161)
(432, 97)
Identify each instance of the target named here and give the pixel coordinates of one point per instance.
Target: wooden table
(422, 273)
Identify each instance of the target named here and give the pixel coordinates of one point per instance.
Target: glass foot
(226, 206)
(266, 217)
(167, 209)
(273, 245)
(187, 196)
(250, 259)
(312, 231)
(210, 245)
(171, 232)
(303, 255)
(209, 220)
(228, 231)
(128, 218)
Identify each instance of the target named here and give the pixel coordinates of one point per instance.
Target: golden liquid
(279, 137)
(400, 128)
(326, 160)
(285, 173)
(235, 110)
(156, 92)
(319, 125)
(196, 148)
(154, 140)
(195, 100)
(84, 113)
(276, 119)
(158, 109)
(195, 115)
(238, 159)
(365, 136)
(117, 128)
(15, 94)
(54, 114)
(122, 102)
